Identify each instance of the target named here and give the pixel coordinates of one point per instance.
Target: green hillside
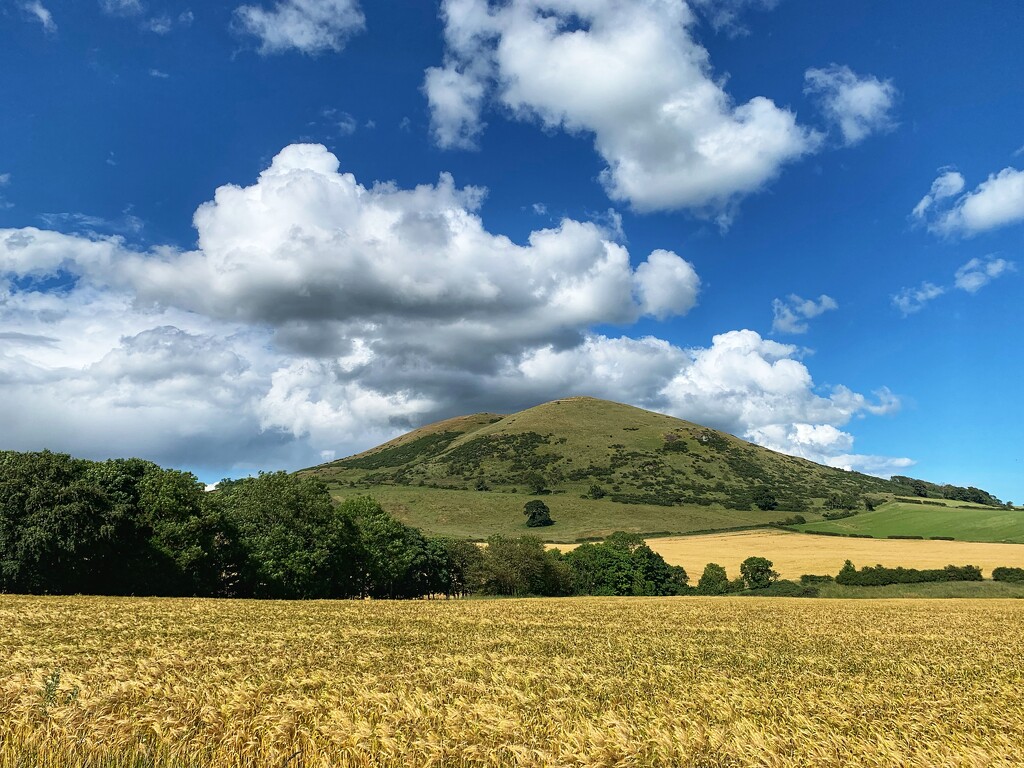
(963, 522)
(599, 465)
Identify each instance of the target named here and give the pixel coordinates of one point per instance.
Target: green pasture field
(479, 514)
(927, 520)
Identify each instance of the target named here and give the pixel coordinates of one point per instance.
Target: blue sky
(255, 236)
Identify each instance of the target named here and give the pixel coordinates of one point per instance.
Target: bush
(880, 576)
(1002, 573)
(904, 537)
(810, 578)
(941, 538)
(784, 588)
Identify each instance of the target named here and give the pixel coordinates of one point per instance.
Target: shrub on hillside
(764, 499)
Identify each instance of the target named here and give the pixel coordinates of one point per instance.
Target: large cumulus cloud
(628, 72)
(320, 315)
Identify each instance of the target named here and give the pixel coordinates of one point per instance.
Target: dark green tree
(457, 563)
(293, 541)
(535, 483)
(51, 524)
(537, 513)
(757, 573)
(764, 498)
(840, 501)
(623, 564)
(397, 561)
(522, 566)
(713, 581)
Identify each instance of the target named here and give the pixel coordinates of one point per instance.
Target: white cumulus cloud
(628, 73)
(996, 202)
(320, 314)
(308, 26)
(859, 104)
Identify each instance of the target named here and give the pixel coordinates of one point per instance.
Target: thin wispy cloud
(790, 315)
(39, 13)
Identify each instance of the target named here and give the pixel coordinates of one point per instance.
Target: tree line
(131, 527)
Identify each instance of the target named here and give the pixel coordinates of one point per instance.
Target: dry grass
(694, 682)
(795, 554)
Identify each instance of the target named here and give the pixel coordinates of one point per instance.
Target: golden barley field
(795, 554)
(699, 682)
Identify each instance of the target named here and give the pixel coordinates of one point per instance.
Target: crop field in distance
(795, 554)
(709, 682)
(931, 519)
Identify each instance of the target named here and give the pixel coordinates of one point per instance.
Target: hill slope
(634, 469)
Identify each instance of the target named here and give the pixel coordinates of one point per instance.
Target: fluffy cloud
(309, 26)
(977, 273)
(859, 104)
(996, 202)
(742, 383)
(318, 314)
(308, 247)
(884, 466)
(911, 300)
(630, 74)
(456, 99)
(790, 315)
(38, 12)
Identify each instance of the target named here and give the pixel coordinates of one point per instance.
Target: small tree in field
(713, 581)
(757, 572)
(538, 513)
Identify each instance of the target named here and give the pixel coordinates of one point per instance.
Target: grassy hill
(600, 466)
(962, 522)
